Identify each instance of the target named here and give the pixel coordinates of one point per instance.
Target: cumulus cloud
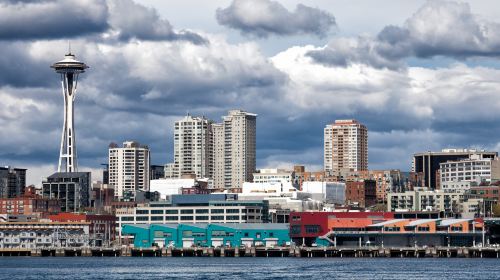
(438, 28)
(263, 18)
(138, 85)
(52, 19)
(131, 20)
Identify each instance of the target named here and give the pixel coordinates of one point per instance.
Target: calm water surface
(245, 268)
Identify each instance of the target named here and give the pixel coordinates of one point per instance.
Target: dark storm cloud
(263, 18)
(51, 19)
(439, 28)
(18, 69)
(132, 20)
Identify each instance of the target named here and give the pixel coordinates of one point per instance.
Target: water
(246, 268)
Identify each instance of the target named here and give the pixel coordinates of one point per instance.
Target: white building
(129, 169)
(234, 145)
(273, 175)
(345, 146)
(33, 235)
(168, 187)
(271, 188)
(475, 168)
(199, 210)
(193, 147)
(332, 192)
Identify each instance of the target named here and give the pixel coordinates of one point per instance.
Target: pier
(297, 252)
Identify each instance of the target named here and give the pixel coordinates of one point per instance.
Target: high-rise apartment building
(129, 168)
(235, 146)
(345, 146)
(193, 147)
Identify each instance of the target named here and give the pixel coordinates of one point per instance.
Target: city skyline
(415, 87)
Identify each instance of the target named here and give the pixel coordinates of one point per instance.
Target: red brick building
(361, 193)
(29, 203)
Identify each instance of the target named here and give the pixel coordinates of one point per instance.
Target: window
(187, 233)
(218, 211)
(171, 218)
(171, 211)
(218, 233)
(246, 234)
(139, 211)
(187, 211)
(233, 218)
(202, 218)
(157, 218)
(217, 218)
(201, 211)
(186, 218)
(127, 219)
(232, 210)
(156, 211)
(295, 218)
(312, 228)
(271, 234)
(295, 229)
(142, 218)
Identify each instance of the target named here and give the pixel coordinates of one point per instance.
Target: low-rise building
(361, 193)
(102, 228)
(29, 203)
(32, 235)
(273, 175)
(213, 208)
(208, 235)
(425, 200)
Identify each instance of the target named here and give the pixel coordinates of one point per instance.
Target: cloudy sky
(422, 75)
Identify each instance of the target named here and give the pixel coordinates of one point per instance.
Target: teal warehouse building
(208, 235)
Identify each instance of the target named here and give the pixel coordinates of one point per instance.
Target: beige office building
(345, 146)
(129, 169)
(234, 149)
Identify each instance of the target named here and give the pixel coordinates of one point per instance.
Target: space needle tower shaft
(69, 68)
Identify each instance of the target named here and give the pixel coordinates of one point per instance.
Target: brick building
(29, 203)
(361, 193)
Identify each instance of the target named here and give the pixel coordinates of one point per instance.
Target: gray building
(12, 182)
(72, 189)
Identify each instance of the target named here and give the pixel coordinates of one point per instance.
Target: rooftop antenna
(69, 47)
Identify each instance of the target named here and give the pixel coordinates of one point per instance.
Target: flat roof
(448, 222)
(421, 221)
(388, 222)
(262, 226)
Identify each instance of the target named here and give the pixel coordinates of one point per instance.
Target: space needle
(69, 68)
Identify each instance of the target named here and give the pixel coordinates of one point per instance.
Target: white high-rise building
(235, 146)
(193, 147)
(129, 169)
(345, 146)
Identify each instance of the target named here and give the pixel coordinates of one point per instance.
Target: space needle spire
(69, 68)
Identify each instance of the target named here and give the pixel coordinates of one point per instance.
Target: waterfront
(246, 268)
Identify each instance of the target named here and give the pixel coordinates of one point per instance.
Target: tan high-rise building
(234, 149)
(345, 146)
(129, 169)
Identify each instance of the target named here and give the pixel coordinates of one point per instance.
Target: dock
(296, 252)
